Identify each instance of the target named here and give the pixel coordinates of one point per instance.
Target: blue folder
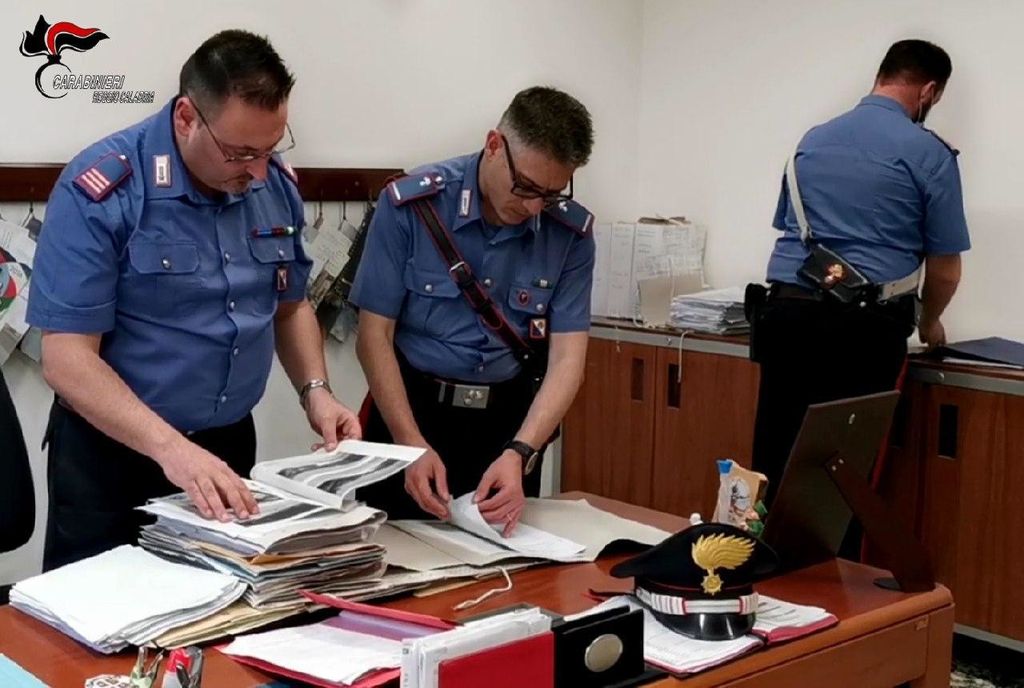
(989, 349)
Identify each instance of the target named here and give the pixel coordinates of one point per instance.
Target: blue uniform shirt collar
(884, 102)
(468, 202)
(160, 142)
(469, 195)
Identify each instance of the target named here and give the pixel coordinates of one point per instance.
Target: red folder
(529, 662)
(377, 678)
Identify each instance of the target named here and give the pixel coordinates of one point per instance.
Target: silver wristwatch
(309, 387)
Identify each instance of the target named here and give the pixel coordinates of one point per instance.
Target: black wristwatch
(529, 454)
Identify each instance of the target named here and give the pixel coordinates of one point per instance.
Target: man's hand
(210, 483)
(331, 419)
(506, 476)
(418, 477)
(932, 333)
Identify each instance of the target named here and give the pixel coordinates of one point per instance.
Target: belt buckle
(471, 396)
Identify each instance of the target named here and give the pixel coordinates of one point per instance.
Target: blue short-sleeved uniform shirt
(180, 287)
(540, 270)
(880, 190)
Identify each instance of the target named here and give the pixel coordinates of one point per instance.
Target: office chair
(17, 499)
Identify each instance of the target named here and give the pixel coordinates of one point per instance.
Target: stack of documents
(126, 596)
(719, 311)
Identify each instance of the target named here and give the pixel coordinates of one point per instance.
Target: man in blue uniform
(474, 286)
(867, 198)
(168, 270)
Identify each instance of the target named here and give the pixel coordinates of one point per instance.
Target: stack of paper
(126, 596)
(719, 311)
(324, 651)
(292, 544)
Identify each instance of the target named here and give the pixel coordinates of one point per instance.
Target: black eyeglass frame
(252, 157)
(528, 190)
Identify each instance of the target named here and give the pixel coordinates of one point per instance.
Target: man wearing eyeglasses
(168, 270)
(475, 286)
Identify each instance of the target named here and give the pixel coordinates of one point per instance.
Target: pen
(263, 232)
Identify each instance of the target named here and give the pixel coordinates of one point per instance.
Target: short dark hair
(915, 61)
(552, 122)
(235, 63)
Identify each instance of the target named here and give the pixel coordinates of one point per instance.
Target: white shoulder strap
(796, 200)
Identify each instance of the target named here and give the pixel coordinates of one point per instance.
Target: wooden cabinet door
(608, 434)
(972, 516)
(703, 414)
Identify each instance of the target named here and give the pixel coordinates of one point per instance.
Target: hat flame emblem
(719, 551)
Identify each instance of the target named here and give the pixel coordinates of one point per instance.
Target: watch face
(531, 461)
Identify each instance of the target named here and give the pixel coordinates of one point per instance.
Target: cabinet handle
(675, 388)
(949, 427)
(637, 381)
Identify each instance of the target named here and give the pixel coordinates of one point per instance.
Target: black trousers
(467, 440)
(816, 351)
(17, 498)
(95, 483)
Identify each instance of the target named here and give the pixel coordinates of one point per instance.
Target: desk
(882, 639)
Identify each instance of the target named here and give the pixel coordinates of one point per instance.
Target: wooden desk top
(844, 588)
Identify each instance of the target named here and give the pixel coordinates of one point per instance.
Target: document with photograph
(331, 478)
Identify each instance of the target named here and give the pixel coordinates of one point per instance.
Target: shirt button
(227, 257)
(540, 307)
(223, 398)
(280, 253)
(166, 263)
(234, 352)
(480, 368)
(488, 282)
(429, 288)
(231, 305)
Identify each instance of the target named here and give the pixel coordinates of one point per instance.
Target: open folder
(359, 648)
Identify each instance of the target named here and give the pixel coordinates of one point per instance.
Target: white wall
(728, 88)
(391, 83)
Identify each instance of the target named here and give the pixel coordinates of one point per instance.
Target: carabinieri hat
(699, 582)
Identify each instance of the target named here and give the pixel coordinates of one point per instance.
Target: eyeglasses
(524, 188)
(248, 157)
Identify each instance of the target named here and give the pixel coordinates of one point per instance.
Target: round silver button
(166, 263)
(480, 368)
(223, 398)
(488, 282)
(280, 253)
(234, 352)
(429, 288)
(540, 307)
(603, 653)
(227, 257)
(231, 305)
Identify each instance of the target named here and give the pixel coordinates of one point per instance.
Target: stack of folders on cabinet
(125, 596)
(777, 621)
(718, 311)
